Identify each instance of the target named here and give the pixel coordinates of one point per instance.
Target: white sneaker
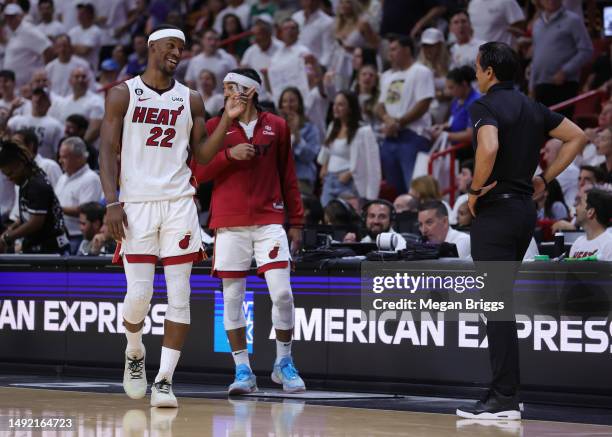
(162, 396)
(135, 376)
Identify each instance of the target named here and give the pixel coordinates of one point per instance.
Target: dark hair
(341, 213)
(555, 194)
(383, 202)
(248, 72)
(353, 119)
(298, 94)
(465, 74)
(601, 201)
(315, 210)
(501, 58)
(403, 40)
(224, 34)
(29, 137)
(597, 172)
(25, 5)
(89, 7)
(12, 153)
(40, 2)
(369, 56)
(440, 208)
(139, 35)
(165, 26)
(368, 106)
(93, 211)
(459, 12)
(77, 119)
(468, 163)
(7, 74)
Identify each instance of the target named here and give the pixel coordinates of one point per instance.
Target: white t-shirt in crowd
(465, 54)
(59, 74)
(288, 54)
(48, 129)
(600, 246)
(568, 179)
(316, 33)
(491, 19)
(50, 167)
(243, 12)
(452, 218)
(339, 156)
(67, 10)
(7, 194)
(90, 105)
(24, 109)
(52, 29)
(79, 188)
(461, 240)
(116, 13)
(400, 90)
(90, 37)
(214, 103)
(258, 59)
(24, 50)
(220, 64)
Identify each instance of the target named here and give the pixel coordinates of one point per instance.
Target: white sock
(134, 348)
(241, 357)
(283, 349)
(167, 364)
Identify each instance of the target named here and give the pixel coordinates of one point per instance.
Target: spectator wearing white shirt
(465, 49)
(213, 101)
(496, 20)
(291, 50)
(60, 69)
(240, 8)
(48, 129)
(568, 178)
(315, 29)
(212, 58)
(7, 197)
(83, 101)
(10, 101)
(40, 79)
(27, 48)
(593, 214)
(48, 25)
(76, 126)
(87, 36)
(78, 185)
(406, 91)
(66, 12)
(433, 224)
(259, 55)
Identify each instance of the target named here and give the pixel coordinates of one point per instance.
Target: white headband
(166, 33)
(245, 81)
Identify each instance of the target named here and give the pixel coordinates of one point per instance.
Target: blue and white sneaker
(285, 373)
(245, 381)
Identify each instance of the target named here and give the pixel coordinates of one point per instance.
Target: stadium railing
(588, 101)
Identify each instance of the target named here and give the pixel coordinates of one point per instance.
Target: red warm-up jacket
(260, 191)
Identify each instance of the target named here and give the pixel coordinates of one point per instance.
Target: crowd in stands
(368, 89)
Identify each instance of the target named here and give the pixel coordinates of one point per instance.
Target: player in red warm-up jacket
(255, 192)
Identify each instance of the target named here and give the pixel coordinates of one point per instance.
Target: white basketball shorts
(236, 246)
(166, 229)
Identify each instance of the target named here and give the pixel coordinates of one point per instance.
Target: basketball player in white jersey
(153, 122)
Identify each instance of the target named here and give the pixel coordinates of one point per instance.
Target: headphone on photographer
(364, 209)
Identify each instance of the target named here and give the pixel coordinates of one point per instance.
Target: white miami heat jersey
(155, 144)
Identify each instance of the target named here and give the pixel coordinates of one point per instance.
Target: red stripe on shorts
(141, 259)
(270, 266)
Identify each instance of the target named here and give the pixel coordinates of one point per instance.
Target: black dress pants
(501, 231)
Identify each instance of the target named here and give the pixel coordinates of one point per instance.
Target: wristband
(541, 176)
(474, 192)
(112, 204)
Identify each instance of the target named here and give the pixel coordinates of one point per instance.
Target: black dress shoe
(494, 406)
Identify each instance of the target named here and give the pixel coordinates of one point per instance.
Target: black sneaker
(494, 406)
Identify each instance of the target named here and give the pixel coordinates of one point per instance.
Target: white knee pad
(279, 284)
(179, 289)
(139, 291)
(233, 298)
